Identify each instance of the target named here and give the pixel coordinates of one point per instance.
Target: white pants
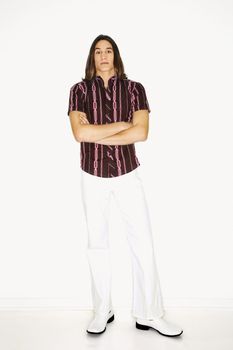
(130, 198)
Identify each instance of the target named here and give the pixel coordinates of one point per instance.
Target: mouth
(104, 62)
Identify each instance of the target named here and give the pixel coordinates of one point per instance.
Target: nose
(103, 54)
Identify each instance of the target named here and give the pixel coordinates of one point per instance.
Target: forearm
(93, 133)
(125, 137)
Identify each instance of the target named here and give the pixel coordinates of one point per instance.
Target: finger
(86, 120)
(83, 116)
(83, 121)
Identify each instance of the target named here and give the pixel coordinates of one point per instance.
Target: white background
(181, 51)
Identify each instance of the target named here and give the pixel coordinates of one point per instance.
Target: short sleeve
(139, 98)
(76, 98)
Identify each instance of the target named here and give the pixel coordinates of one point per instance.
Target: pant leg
(130, 198)
(96, 202)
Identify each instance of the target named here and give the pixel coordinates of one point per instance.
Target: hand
(83, 118)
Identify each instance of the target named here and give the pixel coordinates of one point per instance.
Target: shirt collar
(110, 80)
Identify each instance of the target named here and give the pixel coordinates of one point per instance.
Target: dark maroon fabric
(103, 105)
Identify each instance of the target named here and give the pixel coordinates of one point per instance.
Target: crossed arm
(136, 132)
(112, 134)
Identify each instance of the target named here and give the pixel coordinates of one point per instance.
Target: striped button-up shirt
(103, 105)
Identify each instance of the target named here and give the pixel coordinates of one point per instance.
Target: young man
(108, 114)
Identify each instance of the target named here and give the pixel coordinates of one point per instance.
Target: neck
(106, 75)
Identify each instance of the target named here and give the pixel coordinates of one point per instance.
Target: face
(103, 57)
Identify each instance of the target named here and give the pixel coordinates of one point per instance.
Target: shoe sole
(109, 320)
(146, 328)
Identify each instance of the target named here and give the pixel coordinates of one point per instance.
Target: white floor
(48, 330)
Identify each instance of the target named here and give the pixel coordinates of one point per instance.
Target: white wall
(181, 51)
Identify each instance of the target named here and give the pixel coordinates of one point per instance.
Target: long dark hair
(90, 70)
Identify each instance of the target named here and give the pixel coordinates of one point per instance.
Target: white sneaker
(98, 324)
(160, 325)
